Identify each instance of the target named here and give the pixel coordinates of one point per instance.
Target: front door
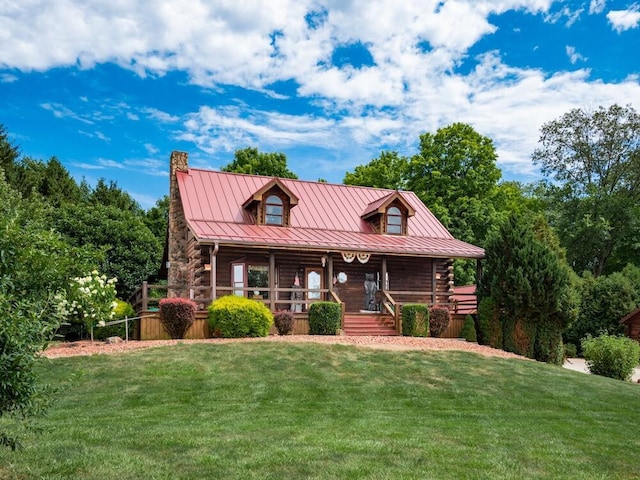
(314, 283)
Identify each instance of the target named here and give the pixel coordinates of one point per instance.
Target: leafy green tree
(456, 176)
(50, 180)
(35, 264)
(113, 196)
(9, 154)
(594, 158)
(528, 282)
(249, 160)
(131, 251)
(157, 218)
(389, 170)
(604, 301)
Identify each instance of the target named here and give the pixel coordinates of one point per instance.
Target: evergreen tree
(529, 282)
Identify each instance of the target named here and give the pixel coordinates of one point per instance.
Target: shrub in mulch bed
(177, 315)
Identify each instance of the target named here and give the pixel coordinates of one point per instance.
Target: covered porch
(371, 288)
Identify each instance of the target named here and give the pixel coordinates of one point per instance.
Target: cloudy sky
(112, 87)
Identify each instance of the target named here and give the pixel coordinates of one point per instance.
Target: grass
(278, 411)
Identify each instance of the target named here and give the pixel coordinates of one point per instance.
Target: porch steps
(358, 324)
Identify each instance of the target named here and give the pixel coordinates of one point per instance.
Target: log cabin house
(288, 243)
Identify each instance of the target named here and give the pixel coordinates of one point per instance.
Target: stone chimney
(178, 272)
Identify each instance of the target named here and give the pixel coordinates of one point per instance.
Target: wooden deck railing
(147, 296)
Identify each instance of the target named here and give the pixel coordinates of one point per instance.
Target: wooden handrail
(394, 309)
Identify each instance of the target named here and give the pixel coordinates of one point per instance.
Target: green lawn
(280, 411)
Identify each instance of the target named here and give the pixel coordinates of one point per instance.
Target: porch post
(434, 280)
(272, 281)
(384, 273)
(330, 271)
(213, 261)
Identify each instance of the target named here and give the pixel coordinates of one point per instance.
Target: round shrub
(235, 317)
(611, 355)
(468, 331)
(324, 318)
(415, 320)
(284, 322)
(439, 318)
(177, 315)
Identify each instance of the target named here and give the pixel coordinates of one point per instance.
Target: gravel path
(386, 343)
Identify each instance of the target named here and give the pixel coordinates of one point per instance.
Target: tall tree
(9, 153)
(132, 252)
(157, 217)
(35, 264)
(594, 158)
(113, 196)
(250, 160)
(455, 175)
(389, 170)
(529, 283)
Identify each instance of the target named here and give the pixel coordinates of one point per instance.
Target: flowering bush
(90, 300)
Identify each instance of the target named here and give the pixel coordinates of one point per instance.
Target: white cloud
(622, 20)
(573, 55)
(161, 116)
(60, 111)
(597, 6)
(412, 87)
(8, 78)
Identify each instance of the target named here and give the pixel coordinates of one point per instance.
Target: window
(394, 221)
(253, 277)
(238, 279)
(274, 210)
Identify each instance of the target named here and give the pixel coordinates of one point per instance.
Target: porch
(388, 322)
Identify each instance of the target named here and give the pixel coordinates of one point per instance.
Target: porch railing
(148, 296)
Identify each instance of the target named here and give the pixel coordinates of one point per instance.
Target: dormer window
(271, 204)
(274, 211)
(394, 221)
(389, 214)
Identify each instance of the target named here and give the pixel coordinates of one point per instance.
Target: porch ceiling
(316, 239)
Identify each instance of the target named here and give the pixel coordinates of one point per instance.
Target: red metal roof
(327, 217)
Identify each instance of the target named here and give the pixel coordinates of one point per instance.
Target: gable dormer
(272, 204)
(389, 214)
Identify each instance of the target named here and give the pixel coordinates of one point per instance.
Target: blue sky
(111, 88)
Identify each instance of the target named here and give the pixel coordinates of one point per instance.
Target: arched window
(394, 221)
(274, 210)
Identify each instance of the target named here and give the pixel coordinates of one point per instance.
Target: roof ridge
(299, 180)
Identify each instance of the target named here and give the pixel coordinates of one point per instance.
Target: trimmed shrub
(489, 326)
(611, 356)
(235, 317)
(122, 310)
(548, 343)
(177, 315)
(324, 318)
(284, 322)
(439, 318)
(468, 331)
(415, 320)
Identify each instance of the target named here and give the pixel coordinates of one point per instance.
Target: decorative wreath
(348, 256)
(363, 257)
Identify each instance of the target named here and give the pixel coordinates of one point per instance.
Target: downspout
(214, 269)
